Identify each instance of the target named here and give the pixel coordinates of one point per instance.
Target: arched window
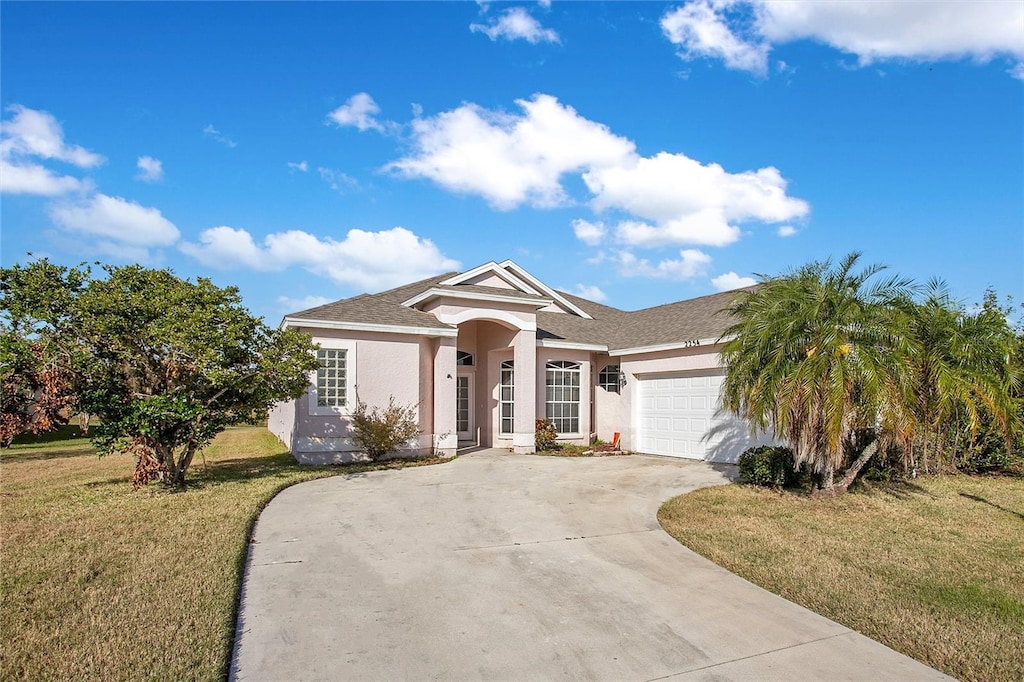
(463, 359)
(506, 397)
(609, 378)
(563, 395)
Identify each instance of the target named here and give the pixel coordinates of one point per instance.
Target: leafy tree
(818, 356)
(37, 354)
(165, 363)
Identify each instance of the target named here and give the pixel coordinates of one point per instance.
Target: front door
(464, 422)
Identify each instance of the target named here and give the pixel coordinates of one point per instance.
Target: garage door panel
(679, 416)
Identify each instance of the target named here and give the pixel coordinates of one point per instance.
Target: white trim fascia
(572, 345)
(496, 269)
(520, 272)
(368, 327)
(474, 296)
(675, 345)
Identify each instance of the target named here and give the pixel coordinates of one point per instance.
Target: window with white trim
(463, 359)
(610, 378)
(562, 393)
(333, 389)
(506, 397)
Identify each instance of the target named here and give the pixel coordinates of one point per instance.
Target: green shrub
(380, 431)
(768, 465)
(545, 437)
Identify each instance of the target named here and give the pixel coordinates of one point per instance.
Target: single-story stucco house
(484, 353)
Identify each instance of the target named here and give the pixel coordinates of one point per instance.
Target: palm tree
(967, 371)
(819, 355)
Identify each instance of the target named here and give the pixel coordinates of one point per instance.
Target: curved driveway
(505, 567)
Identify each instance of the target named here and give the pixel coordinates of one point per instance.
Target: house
(485, 352)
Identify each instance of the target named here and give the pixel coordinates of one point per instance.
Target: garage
(678, 415)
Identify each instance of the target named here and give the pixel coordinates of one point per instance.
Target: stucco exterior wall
(489, 279)
(607, 406)
(385, 365)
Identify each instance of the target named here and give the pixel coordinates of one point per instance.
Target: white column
(524, 425)
(445, 439)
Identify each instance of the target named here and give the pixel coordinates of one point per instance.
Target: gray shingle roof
(697, 318)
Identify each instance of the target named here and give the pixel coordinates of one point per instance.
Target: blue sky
(635, 153)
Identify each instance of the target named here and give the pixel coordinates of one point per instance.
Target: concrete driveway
(505, 567)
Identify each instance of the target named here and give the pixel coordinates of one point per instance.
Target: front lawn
(934, 569)
(100, 582)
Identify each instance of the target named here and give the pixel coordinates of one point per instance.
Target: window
(463, 359)
(333, 390)
(563, 395)
(609, 378)
(506, 397)
(332, 377)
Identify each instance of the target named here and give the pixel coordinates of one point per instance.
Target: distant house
(485, 352)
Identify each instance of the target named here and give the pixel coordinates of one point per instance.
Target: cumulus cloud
(787, 231)
(360, 112)
(30, 136)
(371, 261)
(690, 202)
(510, 159)
(516, 24)
(37, 133)
(31, 178)
(336, 180)
(115, 225)
(701, 29)
(589, 292)
(730, 281)
(742, 32)
(298, 166)
(150, 169)
(589, 233)
(691, 263)
(217, 135)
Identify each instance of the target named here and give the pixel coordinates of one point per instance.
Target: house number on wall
(691, 343)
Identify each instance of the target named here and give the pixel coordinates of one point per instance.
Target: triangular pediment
(508, 275)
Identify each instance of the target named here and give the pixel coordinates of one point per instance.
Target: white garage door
(678, 415)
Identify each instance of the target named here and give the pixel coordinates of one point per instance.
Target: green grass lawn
(934, 569)
(98, 581)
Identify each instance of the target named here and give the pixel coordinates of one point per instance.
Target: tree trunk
(851, 473)
(826, 480)
(186, 460)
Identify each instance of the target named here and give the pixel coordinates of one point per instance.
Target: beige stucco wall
(607, 406)
(385, 365)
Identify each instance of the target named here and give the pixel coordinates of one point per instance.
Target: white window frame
(317, 410)
(604, 378)
(506, 366)
(564, 368)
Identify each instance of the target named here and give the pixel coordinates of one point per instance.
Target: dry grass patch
(100, 582)
(933, 569)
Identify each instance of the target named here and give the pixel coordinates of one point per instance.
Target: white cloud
(1017, 71)
(360, 111)
(546, 4)
(115, 225)
(700, 29)
(691, 263)
(292, 305)
(33, 133)
(150, 169)
(589, 233)
(516, 23)
(368, 260)
(31, 178)
(510, 159)
(215, 134)
(742, 32)
(690, 202)
(787, 231)
(300, 166)
(336, 180)
(730, 281)
(589, 292)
